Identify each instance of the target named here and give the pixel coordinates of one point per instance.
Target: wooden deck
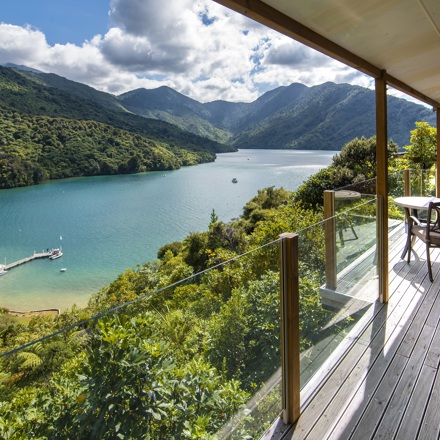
(385, 383)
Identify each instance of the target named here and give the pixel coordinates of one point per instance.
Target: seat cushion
(420, 232)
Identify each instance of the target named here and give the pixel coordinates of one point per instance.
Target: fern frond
(29, 361)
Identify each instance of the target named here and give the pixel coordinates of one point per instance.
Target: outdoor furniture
(345, 223)
(428, 232)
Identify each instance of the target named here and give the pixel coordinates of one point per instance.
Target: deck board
(413, 415)
(386, 384)
(430, 426)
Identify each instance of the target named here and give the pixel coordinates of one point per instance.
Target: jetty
(26, 260)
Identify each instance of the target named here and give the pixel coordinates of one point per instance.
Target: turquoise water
(107, 224)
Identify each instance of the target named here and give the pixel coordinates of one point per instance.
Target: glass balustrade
(338, 281)
(192, 359)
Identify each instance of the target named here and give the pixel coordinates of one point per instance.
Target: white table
(344, 194)
(415, 204)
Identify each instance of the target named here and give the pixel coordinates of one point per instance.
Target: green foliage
(257, 209)
(50, 133)
(173, 247)
(355, 165)
(422, 151)
(37, 148)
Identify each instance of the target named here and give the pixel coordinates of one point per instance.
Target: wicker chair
(429, 233)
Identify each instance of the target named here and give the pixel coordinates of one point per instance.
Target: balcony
(383, 380)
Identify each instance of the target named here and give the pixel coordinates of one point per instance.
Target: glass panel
(396, 184)
(365, 187)
(352, 195)
(194, 359)
(338, 281)
(422, 182)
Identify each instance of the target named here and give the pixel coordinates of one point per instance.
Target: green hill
(49, 133)
(323, 117)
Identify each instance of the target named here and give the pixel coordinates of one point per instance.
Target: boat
(3, 272)
(63, 269)
(55, 253)
(234, 180)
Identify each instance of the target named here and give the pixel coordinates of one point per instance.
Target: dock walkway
(26, 260)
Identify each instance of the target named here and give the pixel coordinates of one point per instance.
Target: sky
(199, 48)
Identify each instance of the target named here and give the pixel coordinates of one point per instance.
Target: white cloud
(20, 45)
(201, 49)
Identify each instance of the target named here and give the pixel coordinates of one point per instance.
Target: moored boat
(55, 253)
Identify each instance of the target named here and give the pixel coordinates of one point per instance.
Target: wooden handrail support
(330, 240)
(289, 316)
(437, 163)
(406, 183)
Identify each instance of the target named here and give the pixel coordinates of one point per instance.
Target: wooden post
(406, 182)
(437, 165)
(289, 310)
(382, 185)
(330, 240)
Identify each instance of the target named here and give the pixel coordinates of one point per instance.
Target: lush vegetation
(165, 358)
(38, 148)
(48, 133)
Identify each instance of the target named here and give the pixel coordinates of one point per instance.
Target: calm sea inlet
(107, 224)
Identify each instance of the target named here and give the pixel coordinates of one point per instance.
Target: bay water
(109, 223)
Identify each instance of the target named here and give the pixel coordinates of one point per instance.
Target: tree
(355, 165)
(421, 152)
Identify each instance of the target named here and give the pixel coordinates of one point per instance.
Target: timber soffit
(272, 17)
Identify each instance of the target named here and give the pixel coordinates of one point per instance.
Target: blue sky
(199, 48)
(61, 21)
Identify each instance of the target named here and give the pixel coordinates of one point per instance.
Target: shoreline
(32, 313)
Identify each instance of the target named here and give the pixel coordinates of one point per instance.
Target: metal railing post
(330, 240)
(289, 310)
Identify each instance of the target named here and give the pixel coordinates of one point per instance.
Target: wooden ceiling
(401, 37)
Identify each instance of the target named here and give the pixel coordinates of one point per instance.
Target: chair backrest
(433, 229)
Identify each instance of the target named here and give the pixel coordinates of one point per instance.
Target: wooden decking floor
(386, 384)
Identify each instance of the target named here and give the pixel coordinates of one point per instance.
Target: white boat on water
(3, 272)
(63, 269)
(56, 253)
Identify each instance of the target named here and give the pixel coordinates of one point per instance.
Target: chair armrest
(414, 220)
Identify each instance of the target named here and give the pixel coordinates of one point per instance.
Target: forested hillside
(47, 133)
(38, 148)
(322, 117)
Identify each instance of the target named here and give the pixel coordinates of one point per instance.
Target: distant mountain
(168, 105)
(23, 68)
(48, 94)
(52, 128)
(323, 117)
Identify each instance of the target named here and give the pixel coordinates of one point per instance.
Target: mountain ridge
(322, 117)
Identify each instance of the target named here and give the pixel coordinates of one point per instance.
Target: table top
(347, 194)
(415, 202)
